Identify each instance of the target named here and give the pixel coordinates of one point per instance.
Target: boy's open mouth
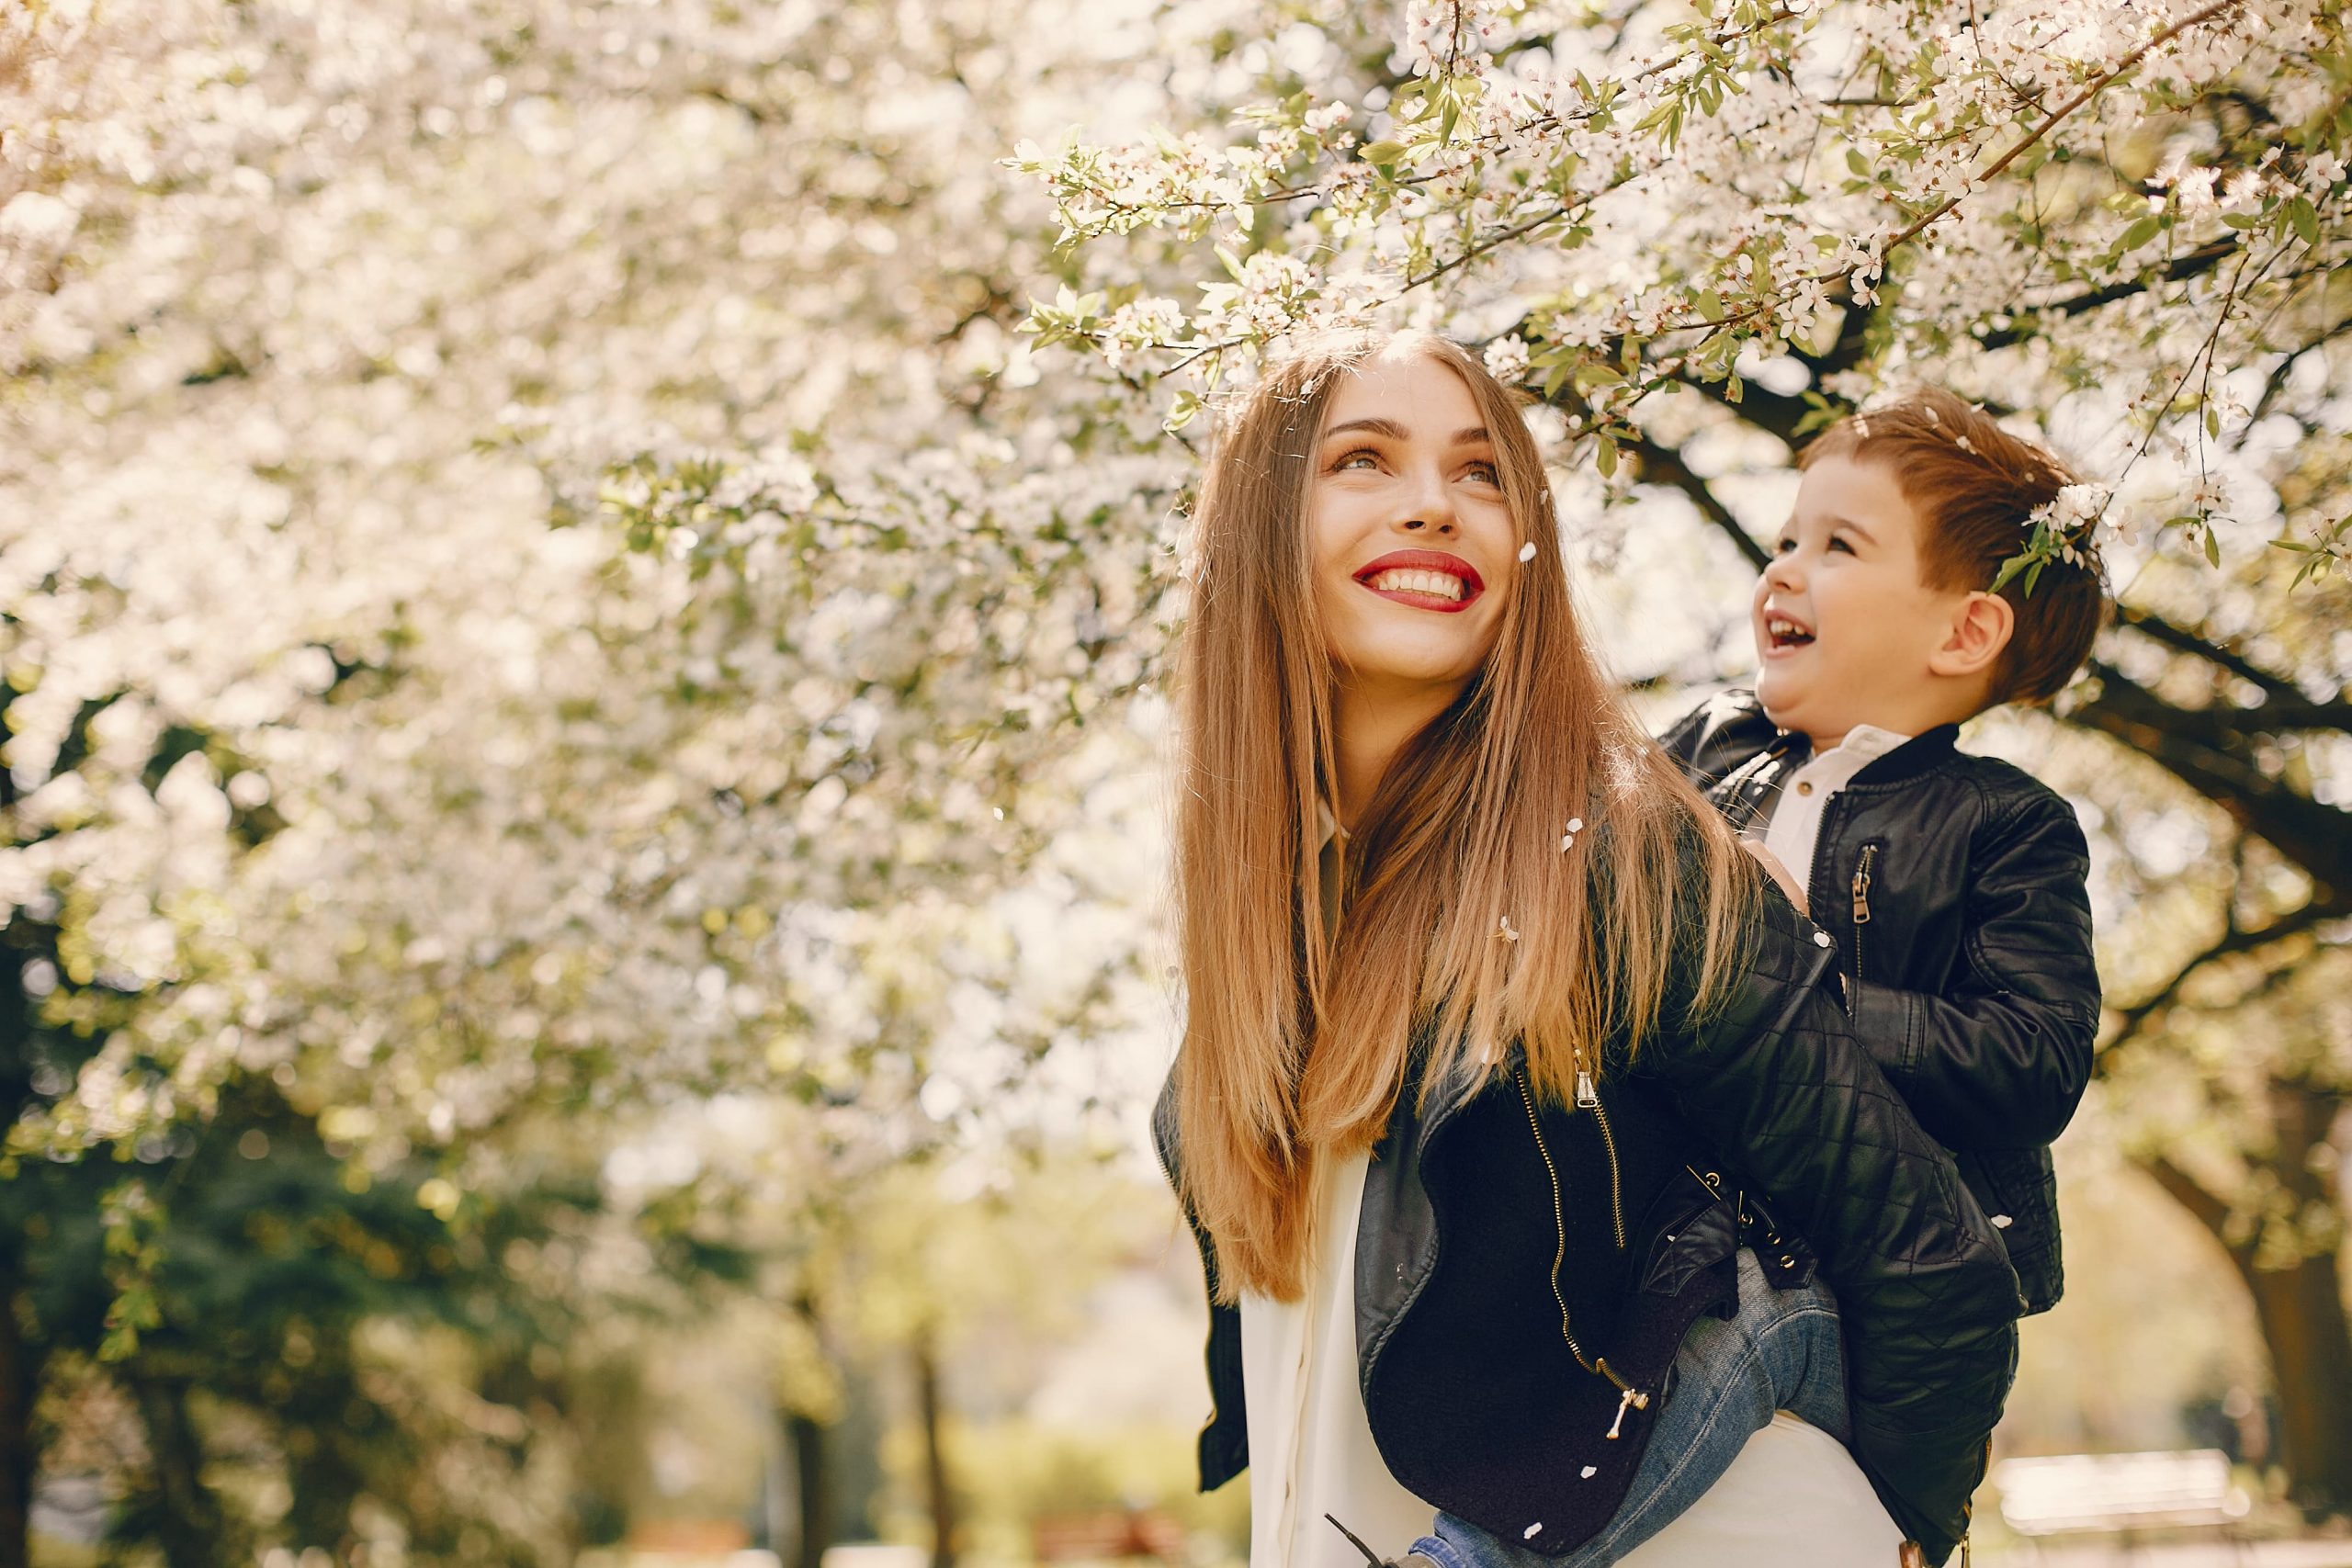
(1781, 633)
(1427, 580)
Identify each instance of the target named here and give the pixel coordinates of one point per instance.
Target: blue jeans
(1780, 1351)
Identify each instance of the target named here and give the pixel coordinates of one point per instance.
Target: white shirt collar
(1867, 741)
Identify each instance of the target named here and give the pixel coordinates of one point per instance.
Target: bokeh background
(583, 592)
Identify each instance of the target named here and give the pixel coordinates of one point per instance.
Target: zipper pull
(1862, 885)
(1633, 1399)
(1588, 1096)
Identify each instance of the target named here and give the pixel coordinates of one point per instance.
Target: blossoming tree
(333, 768)
(332, 764)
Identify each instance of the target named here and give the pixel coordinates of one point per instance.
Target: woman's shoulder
(1718, 735)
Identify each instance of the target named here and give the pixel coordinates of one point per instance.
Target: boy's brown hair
(1974, 487)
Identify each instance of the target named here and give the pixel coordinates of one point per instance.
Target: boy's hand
(1780, 872)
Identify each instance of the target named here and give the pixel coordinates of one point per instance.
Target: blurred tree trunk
(812, 1483)
(19, 1375)
(941, 1494)
(2298, 1290)
(188, 1524)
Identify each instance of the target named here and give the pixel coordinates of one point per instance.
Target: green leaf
(1711, 305)
(2009, 569)
(2213, 546)
(1383, 153)
(2140, 234)
(2305, 217)
(1604, 456)
(2212, 421)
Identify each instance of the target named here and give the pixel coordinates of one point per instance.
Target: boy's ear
(1981, 629)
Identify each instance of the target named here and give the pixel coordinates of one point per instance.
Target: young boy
(1953, 884)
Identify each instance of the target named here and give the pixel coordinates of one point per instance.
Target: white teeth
(1399, 579)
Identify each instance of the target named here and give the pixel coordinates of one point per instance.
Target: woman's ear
(1981, 629)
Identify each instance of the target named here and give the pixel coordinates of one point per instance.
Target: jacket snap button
(2002, 1221)
(1804, 787)
(1821, 939)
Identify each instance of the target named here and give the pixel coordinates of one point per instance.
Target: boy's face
(1845, 628)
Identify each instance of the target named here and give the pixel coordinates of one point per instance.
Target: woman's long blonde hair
(1295, 1050)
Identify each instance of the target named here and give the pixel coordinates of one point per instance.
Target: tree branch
(2233, 941)
(2180, 639)
(2206, 749)
(2188, 265)
(1664, 465)
(2193, 1195)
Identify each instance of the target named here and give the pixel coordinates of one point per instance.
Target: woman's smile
(1425, 579)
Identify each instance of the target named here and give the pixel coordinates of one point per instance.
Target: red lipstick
(1455, 567)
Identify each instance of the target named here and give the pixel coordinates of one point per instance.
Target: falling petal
(1527, 550)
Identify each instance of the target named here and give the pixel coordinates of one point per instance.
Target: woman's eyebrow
(1389, 427)
(1395, 432)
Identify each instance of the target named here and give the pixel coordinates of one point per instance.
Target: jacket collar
(1916, 756)
(1920, 754)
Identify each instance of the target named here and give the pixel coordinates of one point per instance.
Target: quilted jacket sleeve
(1778, 1082)
(1717, 736)
(2000, 1060)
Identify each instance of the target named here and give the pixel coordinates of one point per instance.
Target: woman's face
(1415, 550)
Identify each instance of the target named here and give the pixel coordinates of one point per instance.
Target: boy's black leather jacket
(1478, 1401)
(1953, 886)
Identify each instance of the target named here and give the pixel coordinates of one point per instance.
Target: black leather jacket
(1525, 1270)
(1955, 887)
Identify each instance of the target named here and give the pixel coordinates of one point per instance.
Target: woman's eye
(1486, 474)
(1362, 456)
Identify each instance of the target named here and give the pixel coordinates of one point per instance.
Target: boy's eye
(1839, 542)
(1783, 545)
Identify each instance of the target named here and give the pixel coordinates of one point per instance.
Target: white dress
(1794, 1498)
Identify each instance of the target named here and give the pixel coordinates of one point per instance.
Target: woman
(1484, 1011)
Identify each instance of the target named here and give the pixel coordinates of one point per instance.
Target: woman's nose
(1431, 508)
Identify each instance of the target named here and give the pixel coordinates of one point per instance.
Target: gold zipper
(1559, 1222)
(1616, 1182)
(1589, 1099)
(1861, 891)
(1861, 888)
